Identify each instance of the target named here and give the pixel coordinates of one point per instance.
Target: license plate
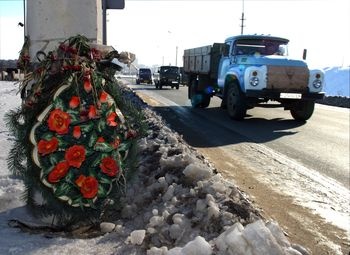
(290, 95)
(174, 82)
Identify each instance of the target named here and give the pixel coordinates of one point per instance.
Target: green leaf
(86, 128)
(102, 192)
(78, 201)
(47, 136)
(103, 147)
(93, 139)
(105, 180)
(89, 152)
(101, 125)
(124, 146)
(63, 143)
(54, 158)
(75, 116)
(58, 104)
(97, 160)
(69, 177)
(62, 189)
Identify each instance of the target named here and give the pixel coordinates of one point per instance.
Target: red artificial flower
(59, 171)
(111, 119)
(59, 121)
(74, 102)
(95, 54)
(84, 114)
(47, 146)
(103, 96)
(76, 132)
(109, 166)
(100, 140)
(80, 180)
(87, 84)
(116, 143)
(88, 186)
(92, 112)
(75, 155)
(131, 134)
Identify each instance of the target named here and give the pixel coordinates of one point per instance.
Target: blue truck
(248, 71)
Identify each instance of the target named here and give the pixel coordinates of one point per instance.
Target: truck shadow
(212, 127)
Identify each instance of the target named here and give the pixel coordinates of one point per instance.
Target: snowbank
(337, 81)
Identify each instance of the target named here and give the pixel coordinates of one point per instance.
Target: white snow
(171, 215)
(337, 81)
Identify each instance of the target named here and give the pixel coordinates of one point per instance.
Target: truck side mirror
(304, 54)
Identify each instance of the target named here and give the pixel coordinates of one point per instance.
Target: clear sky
(156, 30)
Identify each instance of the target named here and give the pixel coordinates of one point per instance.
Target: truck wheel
(235, 102)
(177, 86)
(198, 99)
(137, 82)
(303, 110)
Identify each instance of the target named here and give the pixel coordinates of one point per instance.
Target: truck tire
(235, 102)
(198, 99)
(303, 110)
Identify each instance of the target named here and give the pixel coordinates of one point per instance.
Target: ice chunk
(137, 236)
(277, 232)
(158, 251)
(175, 231)
(169, 193)
(261, 239)
(107, 227)
(175, 251)
(197, 247)
(156, 221)
(197, 172)
(201, 205)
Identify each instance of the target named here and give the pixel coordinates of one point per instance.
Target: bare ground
(300, 224)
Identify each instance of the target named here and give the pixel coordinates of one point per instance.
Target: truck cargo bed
(203, 60)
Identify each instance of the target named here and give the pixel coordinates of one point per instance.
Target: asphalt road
(298, 173)
(321, 144)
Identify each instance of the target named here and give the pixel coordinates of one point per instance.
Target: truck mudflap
(279, 95)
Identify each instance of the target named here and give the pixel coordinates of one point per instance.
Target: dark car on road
(168, 76)
(144, 75)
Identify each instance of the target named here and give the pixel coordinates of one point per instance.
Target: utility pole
(104, 22)
(176, 56)
(242, 19)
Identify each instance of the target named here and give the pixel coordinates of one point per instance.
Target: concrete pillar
(52, 21)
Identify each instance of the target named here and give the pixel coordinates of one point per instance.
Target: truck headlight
(317, 83)
(254, 81)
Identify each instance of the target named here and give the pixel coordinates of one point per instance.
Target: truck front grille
(287, 78)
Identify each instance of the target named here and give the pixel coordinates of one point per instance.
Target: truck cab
(144, 75)
(168, 76)
(250, 70)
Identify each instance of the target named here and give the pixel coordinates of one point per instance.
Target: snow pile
(177, 204)
(337, 81)
(184, 207)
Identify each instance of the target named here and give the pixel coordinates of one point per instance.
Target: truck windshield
(261, 47)
(145, 71)
(169, 69)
